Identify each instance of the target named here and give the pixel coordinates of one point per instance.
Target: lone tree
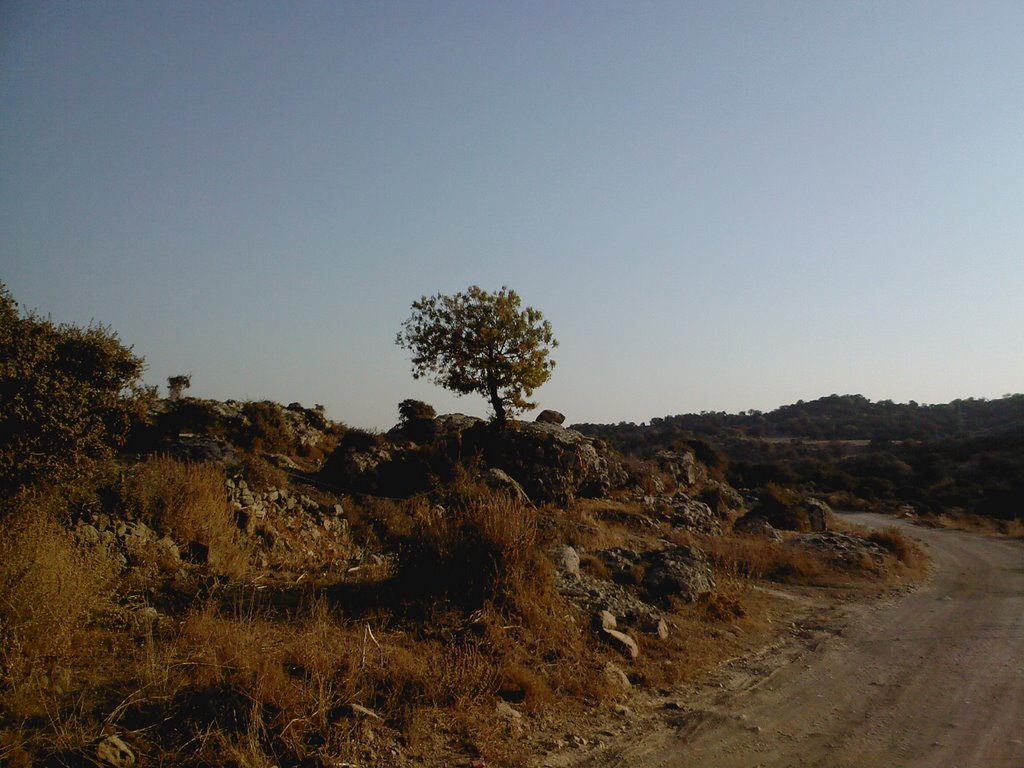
(481, 342)
(178, 384)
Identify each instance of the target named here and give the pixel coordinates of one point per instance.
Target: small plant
(178, 384)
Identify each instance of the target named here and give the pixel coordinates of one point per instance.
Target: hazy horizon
(718, 206)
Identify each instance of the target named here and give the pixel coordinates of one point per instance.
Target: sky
(718, 205)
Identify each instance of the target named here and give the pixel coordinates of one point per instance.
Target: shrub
(782, 508)
(899, 545)
(480, 548)
(68, 396)
(268, 430)
(260, 473)
(417, 420)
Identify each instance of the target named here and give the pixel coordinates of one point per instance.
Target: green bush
(68, 397)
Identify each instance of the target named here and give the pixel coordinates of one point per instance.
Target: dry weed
(50, 584)
(189, 502)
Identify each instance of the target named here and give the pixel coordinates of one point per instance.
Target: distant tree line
(967, 455)
(836, 417)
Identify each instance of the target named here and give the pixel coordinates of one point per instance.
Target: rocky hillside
(253, 584)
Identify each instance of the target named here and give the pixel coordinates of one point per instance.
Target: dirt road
(933, 678)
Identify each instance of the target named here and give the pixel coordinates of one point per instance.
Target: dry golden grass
(963, 521)
(189, 502)
(758, 557)
(50, 584)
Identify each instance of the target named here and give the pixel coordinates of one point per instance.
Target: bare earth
(931, 678)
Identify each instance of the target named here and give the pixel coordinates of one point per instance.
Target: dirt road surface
(931, 678)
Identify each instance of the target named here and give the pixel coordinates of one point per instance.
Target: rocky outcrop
(548, 461)
(842, 547)
(683, 467)
(687, 514)
(675, 571)
(190, 447)
(194, 429)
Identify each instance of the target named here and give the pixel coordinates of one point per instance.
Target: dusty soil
(930, 677)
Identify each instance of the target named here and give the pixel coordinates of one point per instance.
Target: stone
(616, 677)
(499, 480)
(606, 620)
(509, 714)
(281, 461)
(623, 642)
(111, 751)
(691, 515)
(683, 466)
(548, 416)
(89, 534)
(818, 514)
(169, 548)
(567, 560)
(757, 526)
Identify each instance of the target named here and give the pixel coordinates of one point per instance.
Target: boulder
(677, 572)
(818, 514)
(757, 526)
(548, 416)
(789, 511)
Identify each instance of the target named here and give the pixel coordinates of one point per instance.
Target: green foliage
(481, 342)
(68, 397)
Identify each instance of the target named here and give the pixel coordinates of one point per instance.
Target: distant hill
(836, 417)
(967, 455)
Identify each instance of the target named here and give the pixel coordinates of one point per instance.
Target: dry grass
(50, 584)
(758, 557)
(189, 502)
(963, 521)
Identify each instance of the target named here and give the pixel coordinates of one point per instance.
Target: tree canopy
(68, 396)
(481, 342)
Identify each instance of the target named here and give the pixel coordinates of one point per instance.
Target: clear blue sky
(718, 205)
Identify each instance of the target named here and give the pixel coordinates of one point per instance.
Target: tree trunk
(498, 406)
